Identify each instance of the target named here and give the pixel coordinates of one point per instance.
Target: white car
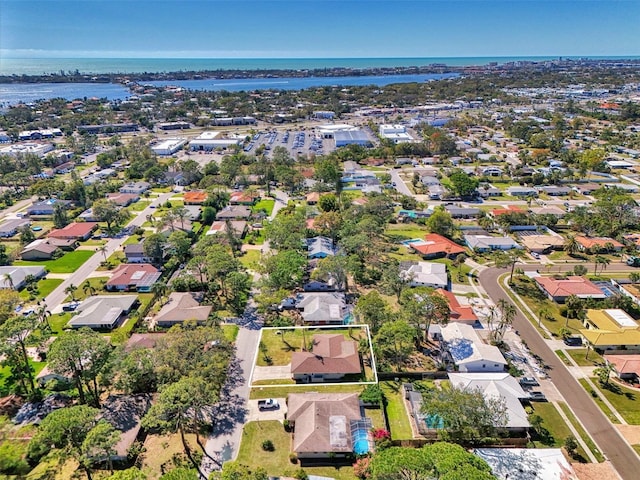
(535, 255)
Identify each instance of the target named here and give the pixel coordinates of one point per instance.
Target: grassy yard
(459, 274)
(277, 462)
(68, 263)
(396, 411)
(270, 392)
(45, 287)
(583, 434)
(265, 204)
(605, 409)
(405, 231)
(58, 321)
(561, 355)
(554, 430)
(250, 259)
(579, 354)
(624, 400)
(114, 260)
(160, 451)
(230, 332)
(5, 372)
(281, 345)
(139, 205)
(97, 283)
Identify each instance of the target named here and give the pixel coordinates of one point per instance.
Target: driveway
(255, 415)
(279, 372)
(606, 436)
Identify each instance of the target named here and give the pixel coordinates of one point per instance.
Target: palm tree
(151, 219)
(159, 289)
(544, 314)
(9, 280)
(182, 214)
(571, 245)
(103, 251)
(71, 291)
(602, 261)
(43, 315)
(87, 287)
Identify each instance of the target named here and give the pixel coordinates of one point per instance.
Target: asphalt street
(607, 437)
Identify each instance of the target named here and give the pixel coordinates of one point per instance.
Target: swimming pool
(360, 442)
(413, 240)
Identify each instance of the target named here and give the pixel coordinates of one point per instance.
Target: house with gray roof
(10, 227)
(15, 277)
(463, 212)
(323, 308)
(320, 247)
(137, 188)
(103, 312)
(486, 243)
(182, 307)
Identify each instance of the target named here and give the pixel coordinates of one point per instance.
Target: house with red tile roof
(559, 289)
(138, 277)
(312, 198)
(625, 367)
(195, 197)
(435, 245)
(332, 357)
(508, 209)
(602, 243)
(458, 313)
(243, 198)
(76, 231)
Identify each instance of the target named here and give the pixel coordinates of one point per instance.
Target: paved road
(401, 187)
(55, 298)
(614, 447)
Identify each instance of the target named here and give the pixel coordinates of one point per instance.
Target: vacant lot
(45, 287)
(68, 263)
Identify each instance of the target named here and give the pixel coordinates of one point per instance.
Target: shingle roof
(74, 230)
(332, 353)
(182, 306)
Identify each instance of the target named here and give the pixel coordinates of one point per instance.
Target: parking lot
(297, 142)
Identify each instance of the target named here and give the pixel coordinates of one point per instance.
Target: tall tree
(372, 310)
(395, 342)
(14, 334)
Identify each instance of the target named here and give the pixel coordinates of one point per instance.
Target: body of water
(12, 93)
(40, 66)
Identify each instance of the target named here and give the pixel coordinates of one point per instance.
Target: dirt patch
(631, 433)
(595, 471)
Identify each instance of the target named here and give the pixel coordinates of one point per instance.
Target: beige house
(181, 307)
(332, 357)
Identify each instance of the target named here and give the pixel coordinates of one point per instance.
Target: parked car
(268, 404)
(537, 397)
(529, 382)
(535, 255)
(573, 341)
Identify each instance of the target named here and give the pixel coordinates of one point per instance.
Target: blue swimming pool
(360, 442)
(413, 240)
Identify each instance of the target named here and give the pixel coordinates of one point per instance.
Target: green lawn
(58, 321)
(265, 204)
(68, 263)
(250, 259)
(271, 392)
(230, 331)
(624, 400)
(281, 346)
(96, 282)
(5, 372)
(583, 434)
(605, 409)
(113, 261)
(579, 354)
(459, 274)
(396, 411)
(563, 357)
(45, 287)
(139, 205)
(553, 423)
(405, 231)
(277, 462)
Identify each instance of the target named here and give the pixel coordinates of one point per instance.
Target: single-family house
(592, 244)
(238, 227)
(136, 188)
(496, 212)
(182, 307)
(234, 212)
(320, 247)
(323, 308)
(463, 212)
(586, 188)
(555, 190)
(134, 253)
(527, 463)
(497, 386)
(124, 413)
(138, 277)
(47, 207)
(123, 199)
(559, 289)
(542, 243)
(332, 356)
(79, 231)
(486, 243)
(195, 197)
(457, 312)
(103, 312)
(549, 210)
(611, 330)
(467, 350)
(10, 227)
(327, 425)
(312, 198)
(244, 197)
(518, 191)
(425, 274)
(487, 190)
(46, 375)
(429, 181)
(625, 367)
(15, 277)
(45, 248)
(435, 245)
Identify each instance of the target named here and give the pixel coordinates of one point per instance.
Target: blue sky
(318, 28)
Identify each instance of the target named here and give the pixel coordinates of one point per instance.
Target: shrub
(268, 446)
(372, 394)
(293, 458)
(361, 467)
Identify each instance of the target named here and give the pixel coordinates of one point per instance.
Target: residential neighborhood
(304, 293)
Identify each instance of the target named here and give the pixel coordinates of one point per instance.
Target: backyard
(68, 263)
(253, 455)
(395, 410)
(45, 287)
(265, 204)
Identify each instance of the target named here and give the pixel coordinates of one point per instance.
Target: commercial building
(351, 137)
(395, 133)
(168, 146)
(39, 149)
(209, 141)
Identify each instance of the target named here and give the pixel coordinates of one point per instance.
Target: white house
(426, 274)
(469, 352)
